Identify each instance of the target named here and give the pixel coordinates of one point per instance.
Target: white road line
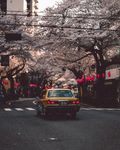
(7, 109)
(19, 109)
(30, 108)
(87, 108)
(106, 109)
(112, 109)
(34, 102)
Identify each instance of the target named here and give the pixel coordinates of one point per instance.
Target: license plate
(63, 103)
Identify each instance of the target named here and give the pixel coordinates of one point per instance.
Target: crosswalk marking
(30, 108)
(7, 109)
(81, 109)
(19, 109)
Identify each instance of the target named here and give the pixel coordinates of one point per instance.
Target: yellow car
(54, 101)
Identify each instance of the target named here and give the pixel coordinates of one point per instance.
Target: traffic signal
(4, 60)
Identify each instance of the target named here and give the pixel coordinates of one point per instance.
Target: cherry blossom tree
(75, 34)
(20, 50)
(79, 30)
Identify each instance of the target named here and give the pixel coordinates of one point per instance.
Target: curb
(87, 105)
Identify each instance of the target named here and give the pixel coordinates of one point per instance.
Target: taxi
(54, 101)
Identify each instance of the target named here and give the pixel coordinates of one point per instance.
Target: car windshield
(60, 93)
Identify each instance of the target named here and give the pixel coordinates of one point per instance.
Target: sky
(47, 3)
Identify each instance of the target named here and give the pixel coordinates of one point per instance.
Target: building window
(3, 6)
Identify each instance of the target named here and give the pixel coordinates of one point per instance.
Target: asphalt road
(93, 129)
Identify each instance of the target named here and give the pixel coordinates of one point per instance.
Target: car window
(60, 93)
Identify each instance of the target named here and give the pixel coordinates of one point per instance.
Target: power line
(55, 26)
(56, 15)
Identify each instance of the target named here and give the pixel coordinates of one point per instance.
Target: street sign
(4, 60)
(12, 36)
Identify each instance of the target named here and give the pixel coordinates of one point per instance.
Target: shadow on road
(58, 117)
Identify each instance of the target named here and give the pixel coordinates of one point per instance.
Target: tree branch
(72, 61)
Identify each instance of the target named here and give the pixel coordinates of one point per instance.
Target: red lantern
(109, 74)
(98, 76)
(103, 75)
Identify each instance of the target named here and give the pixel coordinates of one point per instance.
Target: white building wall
(24, 5)
(16, 6)
(113, 73)
(20, 6)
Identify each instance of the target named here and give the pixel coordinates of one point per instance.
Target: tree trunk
(11, 94)
(100, 88)
(100, 73)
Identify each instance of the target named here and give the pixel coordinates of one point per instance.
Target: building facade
(30, 7)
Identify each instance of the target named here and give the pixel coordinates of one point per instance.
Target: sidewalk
(25, 99)
(9, 103)
(33, 99)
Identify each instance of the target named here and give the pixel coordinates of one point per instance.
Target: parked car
(57, 101)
